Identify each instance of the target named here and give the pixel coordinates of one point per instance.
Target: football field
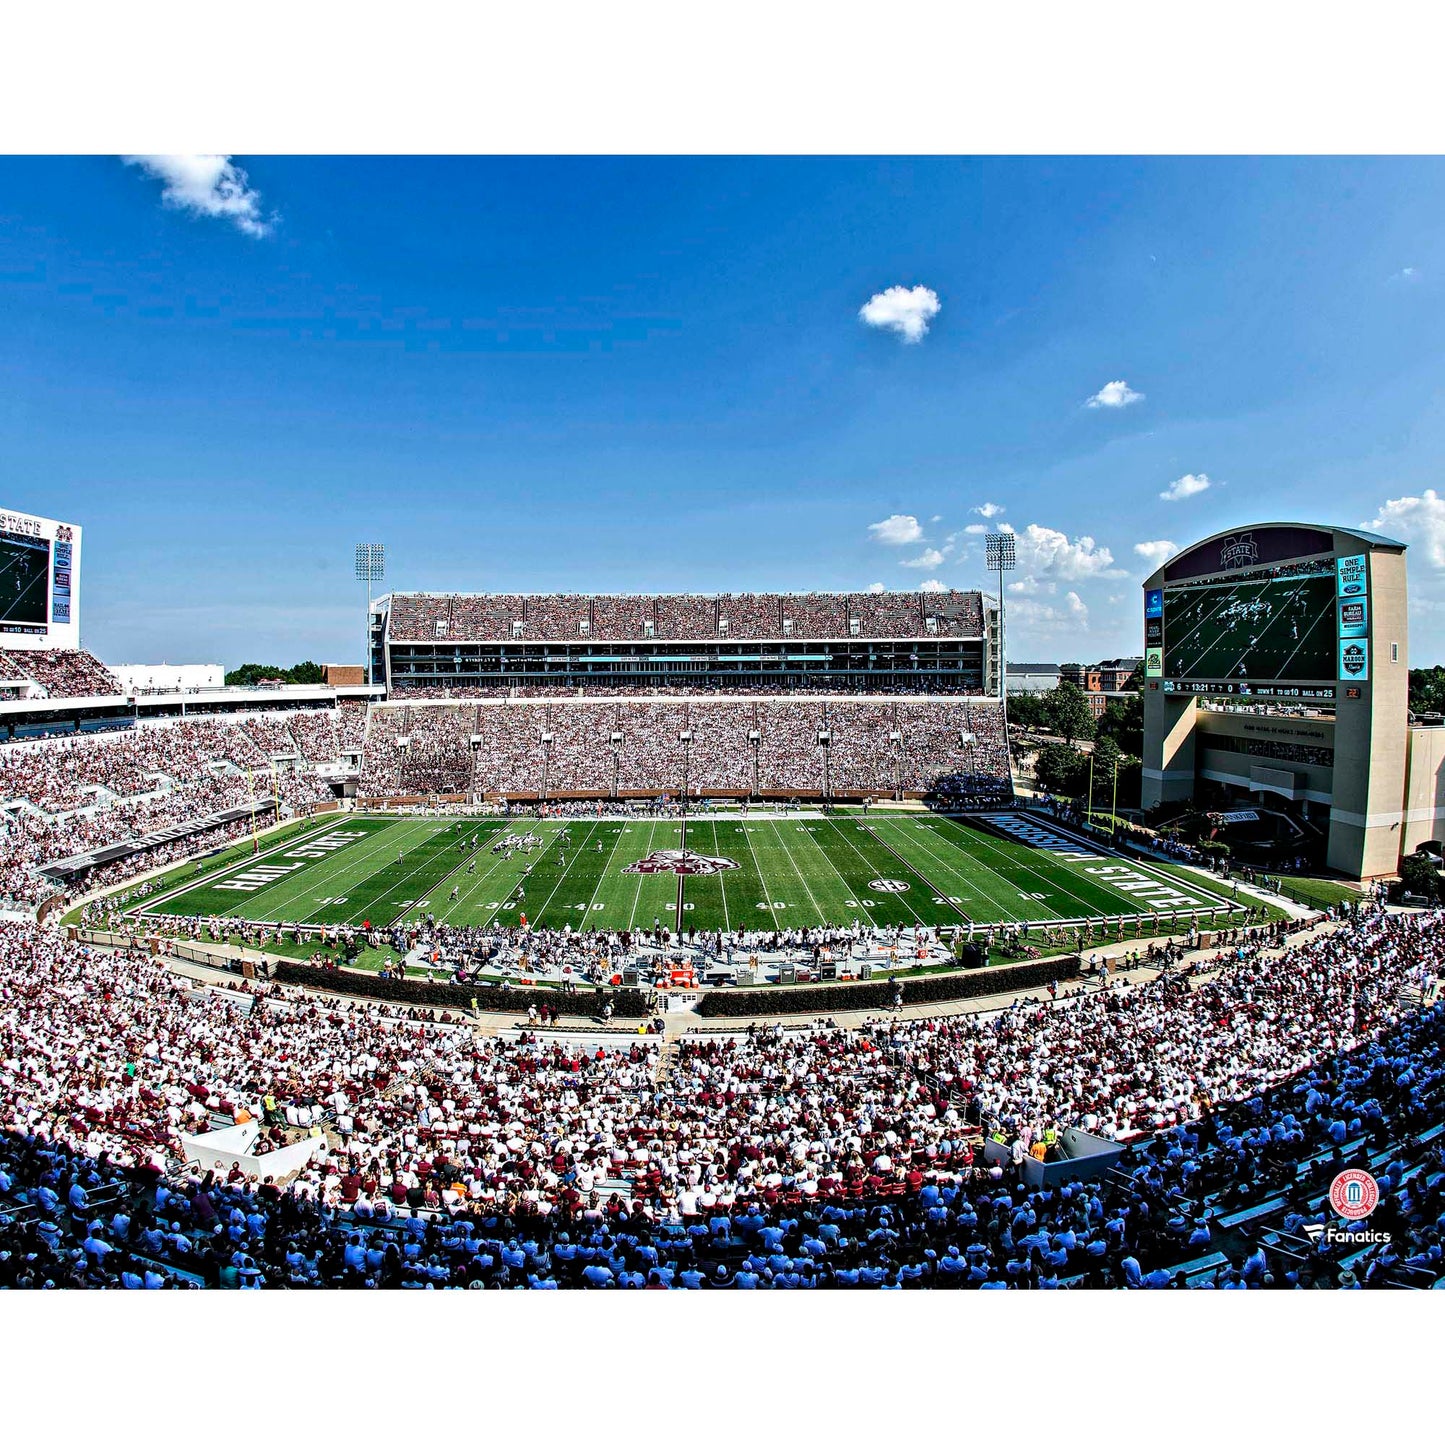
(739, 873)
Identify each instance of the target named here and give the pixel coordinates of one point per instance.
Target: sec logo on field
(1354, 1194)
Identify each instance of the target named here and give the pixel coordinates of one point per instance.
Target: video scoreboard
(1275, 614)
(1266, 623)
(39, 582)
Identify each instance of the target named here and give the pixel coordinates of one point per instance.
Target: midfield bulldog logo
(681, 860)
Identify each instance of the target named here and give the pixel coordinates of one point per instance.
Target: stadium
(630, 941)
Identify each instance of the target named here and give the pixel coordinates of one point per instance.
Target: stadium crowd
(429, 617)
(793, 1158)
(736, 747)
(59, 672)
(940, 684)
(67, 795)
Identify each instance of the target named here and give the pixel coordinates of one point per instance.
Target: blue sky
(653, 374)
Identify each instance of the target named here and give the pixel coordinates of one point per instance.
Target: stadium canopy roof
(1374, 539)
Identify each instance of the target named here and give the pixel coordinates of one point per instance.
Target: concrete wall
(1366, 818)
(1424, 787)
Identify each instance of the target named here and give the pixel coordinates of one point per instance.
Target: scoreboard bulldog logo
(681, 860)
(1240, 550)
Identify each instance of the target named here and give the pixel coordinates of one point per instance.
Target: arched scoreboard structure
(1277, 677)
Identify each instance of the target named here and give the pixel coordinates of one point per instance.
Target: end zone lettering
(265, 873)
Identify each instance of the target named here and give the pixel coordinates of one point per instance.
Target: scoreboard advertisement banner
(1352, 606)
(1354, 617)
(1355, 661)
(39, 582)
(1352, 574)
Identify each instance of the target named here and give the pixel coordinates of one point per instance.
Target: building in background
(1034, 676)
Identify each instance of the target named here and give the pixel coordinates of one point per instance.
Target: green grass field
(776, 872)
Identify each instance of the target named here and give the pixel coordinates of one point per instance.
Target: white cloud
(929, 557)
(933, 585)
(1030, 586)
(900, 309)
(1189, 485)
(976, 529)
(935, 519)
(1407, 273)
(876, 587)
(1420, 520)
(1114, 394)
(208, 186)
(989, 509)
(1156, 553)
(1044, 619)
(896, 531)
(1042, 549)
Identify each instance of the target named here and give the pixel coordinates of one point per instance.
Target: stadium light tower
(1000, 553)
(370, 567)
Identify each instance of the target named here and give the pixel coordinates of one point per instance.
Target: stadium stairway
(667, 1060)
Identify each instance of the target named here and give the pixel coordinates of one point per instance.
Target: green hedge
(850, 997)
(626, 1003)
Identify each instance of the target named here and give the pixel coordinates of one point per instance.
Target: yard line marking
(848, 887)
(901, 897)
(399, 833)
(195, 885)
(1323, 617)
(1127, 904)
(822, 917)
(498, 861)
(406, 844)
(567, 871)
(748, 834)
(606, 869)
(282, 897)
(632, 917)
(927, 882)
(990, 843)
(722, 882)
(287, 890)
(521, 879)
(974, 882)
(380, 898)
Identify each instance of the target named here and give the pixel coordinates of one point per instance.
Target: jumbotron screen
(24, 579)
(1272, 629)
